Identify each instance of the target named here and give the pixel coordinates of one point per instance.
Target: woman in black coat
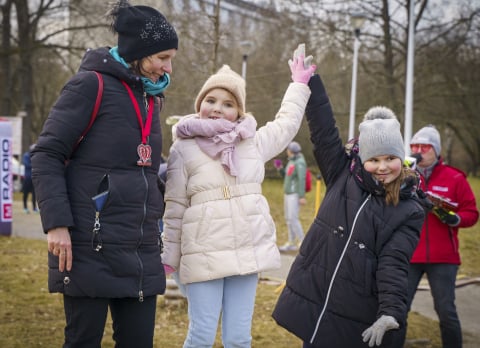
(347, 287)
(99, 199)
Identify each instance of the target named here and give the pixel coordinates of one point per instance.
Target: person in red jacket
(437, 254)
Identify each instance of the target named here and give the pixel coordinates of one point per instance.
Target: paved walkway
(468, 290)
(26, 225)
(467, 300)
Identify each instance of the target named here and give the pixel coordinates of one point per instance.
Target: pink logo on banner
(7, 211)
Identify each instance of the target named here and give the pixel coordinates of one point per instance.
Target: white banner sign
(6, 183)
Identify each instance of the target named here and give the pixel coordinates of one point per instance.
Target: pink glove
(299, 72)
(168, 269)
(277, 163)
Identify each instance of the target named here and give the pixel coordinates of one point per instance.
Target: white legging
(292, 207)
(234, 299)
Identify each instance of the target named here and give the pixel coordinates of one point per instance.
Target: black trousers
(27, 188)
(133, 321)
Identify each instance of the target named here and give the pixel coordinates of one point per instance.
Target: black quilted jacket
(128, 263)
(353, 263)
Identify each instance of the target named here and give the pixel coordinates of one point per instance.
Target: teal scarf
(152, 88)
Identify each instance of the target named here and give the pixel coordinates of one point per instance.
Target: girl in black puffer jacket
(347, 287)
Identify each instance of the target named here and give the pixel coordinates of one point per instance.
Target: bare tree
(443, 35)
(446, 72)
(39, 25)
(6, 105)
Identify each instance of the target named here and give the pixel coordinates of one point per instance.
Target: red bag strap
(98, 101)
(94, 113)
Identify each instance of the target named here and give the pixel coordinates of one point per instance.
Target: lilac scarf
(218, 138)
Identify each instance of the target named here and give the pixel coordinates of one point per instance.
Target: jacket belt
(226, 192)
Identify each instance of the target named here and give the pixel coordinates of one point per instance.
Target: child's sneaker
(299, 244)
(288, 246)
(26, 211)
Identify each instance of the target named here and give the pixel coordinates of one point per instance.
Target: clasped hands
(301, 67)
(168, 269)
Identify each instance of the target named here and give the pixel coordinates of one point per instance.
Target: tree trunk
(25, 70)
(5, 67)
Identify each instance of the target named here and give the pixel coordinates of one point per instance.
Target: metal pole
(244, 67)
(318, 195)
(409, 79)
(351, 124)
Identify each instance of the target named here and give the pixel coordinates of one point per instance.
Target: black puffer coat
(353, 263)
(128, 263)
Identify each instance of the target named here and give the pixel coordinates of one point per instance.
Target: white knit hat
(227, 79)
(428, 135)
(380, 134)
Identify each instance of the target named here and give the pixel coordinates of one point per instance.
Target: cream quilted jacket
(217, 225)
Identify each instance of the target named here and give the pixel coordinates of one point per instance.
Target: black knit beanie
(143, 31)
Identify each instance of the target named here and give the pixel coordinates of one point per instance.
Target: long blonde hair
(392, 190)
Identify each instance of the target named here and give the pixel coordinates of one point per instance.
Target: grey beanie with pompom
(380, 134)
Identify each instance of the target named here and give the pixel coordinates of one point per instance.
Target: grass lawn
(31, 317)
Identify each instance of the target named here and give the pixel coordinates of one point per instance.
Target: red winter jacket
(438, 241)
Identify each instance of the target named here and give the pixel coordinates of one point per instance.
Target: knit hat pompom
(379, 112)
(380, 134)
(142, 31)
(227, 79)
(428, 135)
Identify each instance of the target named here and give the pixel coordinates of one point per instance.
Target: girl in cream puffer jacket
(217, 223)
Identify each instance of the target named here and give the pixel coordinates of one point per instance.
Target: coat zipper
(140, 282)
(336, 269)
(140, 285)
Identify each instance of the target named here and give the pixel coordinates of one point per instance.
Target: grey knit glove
(374, 334)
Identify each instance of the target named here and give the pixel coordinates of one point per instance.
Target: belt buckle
(226, 192)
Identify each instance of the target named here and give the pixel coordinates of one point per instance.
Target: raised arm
(274, 136)
(327, 145)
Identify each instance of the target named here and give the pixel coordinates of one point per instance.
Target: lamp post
(357, 21)
(409, 78)
(246, 48)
